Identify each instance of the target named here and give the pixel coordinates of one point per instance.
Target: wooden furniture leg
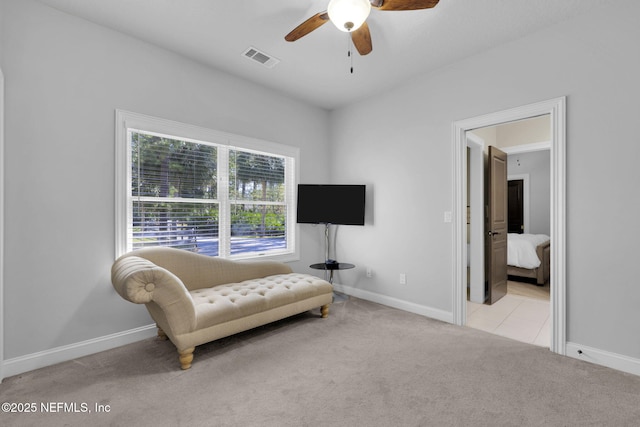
(186, 357)
(325, 311)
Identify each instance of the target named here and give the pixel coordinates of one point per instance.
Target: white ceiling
(316, 67)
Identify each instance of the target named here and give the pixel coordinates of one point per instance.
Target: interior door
(496, 239)
(516, 206)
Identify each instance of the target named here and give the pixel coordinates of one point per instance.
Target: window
(203, 191)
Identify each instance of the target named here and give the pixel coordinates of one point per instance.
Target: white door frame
(476, 217)
(556, 108)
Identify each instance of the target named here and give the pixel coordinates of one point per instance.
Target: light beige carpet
(366, 365)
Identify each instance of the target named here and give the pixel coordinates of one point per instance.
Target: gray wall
(537, 165)
(64, 79)
(407, 160)
(1, 27)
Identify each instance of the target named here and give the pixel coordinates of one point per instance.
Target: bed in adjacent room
(529, 256)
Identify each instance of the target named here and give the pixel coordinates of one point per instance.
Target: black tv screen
(331, 204)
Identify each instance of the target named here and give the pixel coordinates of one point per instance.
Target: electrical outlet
(369, 272)
(403, 279)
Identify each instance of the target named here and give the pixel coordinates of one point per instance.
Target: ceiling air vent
(261, 57)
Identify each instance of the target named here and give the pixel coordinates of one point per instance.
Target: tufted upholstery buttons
(149, 287)
(235, 300)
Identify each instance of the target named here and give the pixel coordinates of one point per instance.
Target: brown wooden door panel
(497, 224)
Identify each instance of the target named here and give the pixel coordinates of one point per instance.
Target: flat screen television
(331, 204)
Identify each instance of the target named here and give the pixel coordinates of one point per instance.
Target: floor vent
(260, 57)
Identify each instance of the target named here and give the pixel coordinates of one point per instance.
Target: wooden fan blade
(307, 26)
(362, 39)
(403, 4)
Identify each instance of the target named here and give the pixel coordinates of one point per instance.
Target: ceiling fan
(350, 16)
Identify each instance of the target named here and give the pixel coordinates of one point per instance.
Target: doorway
(513, 306)
(515, 206)
(556, 109)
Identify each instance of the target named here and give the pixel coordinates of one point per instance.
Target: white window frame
(127, 121)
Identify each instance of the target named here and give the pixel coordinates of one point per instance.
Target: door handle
(493, 233)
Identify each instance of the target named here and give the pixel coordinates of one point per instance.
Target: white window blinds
(208, 197)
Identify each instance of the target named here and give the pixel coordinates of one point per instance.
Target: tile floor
(513, 316)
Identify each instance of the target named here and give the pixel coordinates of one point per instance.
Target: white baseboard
(422, 310)
(19, 365)
(604, 358)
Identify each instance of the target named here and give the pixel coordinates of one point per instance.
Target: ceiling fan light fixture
(348, 15)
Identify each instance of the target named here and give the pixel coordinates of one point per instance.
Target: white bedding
(521, 249)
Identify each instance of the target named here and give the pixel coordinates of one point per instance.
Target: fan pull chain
(349, 50)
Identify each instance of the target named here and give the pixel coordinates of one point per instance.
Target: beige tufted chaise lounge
(195, 299)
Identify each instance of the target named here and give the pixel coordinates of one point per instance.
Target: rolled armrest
(141, 281)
